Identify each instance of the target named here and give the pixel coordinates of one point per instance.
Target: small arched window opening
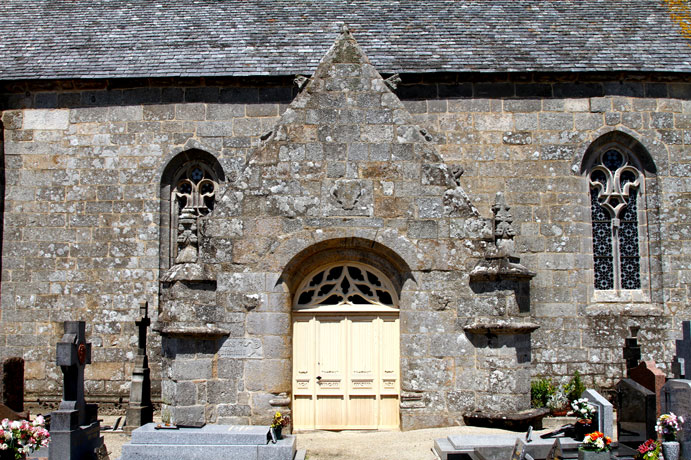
(346, 286)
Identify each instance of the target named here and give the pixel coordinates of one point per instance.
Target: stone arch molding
(355, 250)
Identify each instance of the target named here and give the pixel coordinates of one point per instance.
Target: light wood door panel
(346, 372)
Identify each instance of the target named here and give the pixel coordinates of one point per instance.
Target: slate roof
(145, 38)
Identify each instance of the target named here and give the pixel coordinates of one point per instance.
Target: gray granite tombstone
(676, 397)
(12, 384)
(682, 364)
(74, 427)
(605, 411)
(636, 413)
(140, 410)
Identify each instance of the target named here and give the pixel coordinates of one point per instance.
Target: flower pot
(277, 432)
(670, 450)
(559, 412)
(583, 427)
(593, 455)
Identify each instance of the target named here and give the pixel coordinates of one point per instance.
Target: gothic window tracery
(345, 285)
(193, 196)
(615, 185)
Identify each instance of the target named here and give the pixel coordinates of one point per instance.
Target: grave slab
(605, 411)
(498, 446)
(209, 442)
(676, 397)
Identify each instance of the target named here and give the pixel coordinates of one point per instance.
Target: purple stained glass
(602, 244)
(629, 256)
(612, 160)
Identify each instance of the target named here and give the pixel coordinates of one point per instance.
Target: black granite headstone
(140, 410)
(682, 364)
(636, 413)
(74, 427)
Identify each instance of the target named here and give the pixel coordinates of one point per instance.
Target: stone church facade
(365, 251)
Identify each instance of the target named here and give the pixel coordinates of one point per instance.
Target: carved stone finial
(393, 81)
(300, 81)
(502, 219)
(188, 241)
(344, 29)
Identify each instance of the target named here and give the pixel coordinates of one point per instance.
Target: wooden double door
(345, 371)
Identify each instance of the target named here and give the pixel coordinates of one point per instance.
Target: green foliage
(575, 387)
(540, 391)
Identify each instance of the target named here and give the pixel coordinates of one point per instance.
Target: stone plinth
(207, 443)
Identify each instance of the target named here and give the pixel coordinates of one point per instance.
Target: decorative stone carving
(499, 261)
(300, 81)
(347, 193)
(242, 348)
(393, 81)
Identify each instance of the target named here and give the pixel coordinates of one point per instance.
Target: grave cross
(73, 354)
(682, 361)
(632, 351)
(143, 324)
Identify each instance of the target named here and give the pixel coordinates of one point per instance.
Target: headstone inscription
(140, 410)
(12, 384)
(648, 375)
(676, 397)
(682, 361)
(605, 411)
(636, 413)
(74, 427)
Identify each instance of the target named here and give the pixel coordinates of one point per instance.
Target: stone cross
(73, 354)
(74, 427)
(140, 409)
(632, 352)
(682, 361)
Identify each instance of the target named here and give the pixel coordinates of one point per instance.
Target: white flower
(15, 425)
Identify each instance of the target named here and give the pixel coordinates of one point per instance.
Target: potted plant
(668, 426)
(277, 424)
(558, 402)
(21, 437)
(596, 446)
(649, 450)
(584, 411)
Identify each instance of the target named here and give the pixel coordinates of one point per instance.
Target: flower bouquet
(668, 426)
(21, 438)
(277, 424)
(596, 446)
(584, 411)
(649, 450)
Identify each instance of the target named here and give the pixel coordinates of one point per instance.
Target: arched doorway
(346, 350)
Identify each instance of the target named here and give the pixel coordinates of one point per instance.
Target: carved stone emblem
(347, 193)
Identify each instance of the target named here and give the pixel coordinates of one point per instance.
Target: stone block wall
(82, 216)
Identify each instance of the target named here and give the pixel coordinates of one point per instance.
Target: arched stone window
(615, 183)
(189, 189)
(616, 167)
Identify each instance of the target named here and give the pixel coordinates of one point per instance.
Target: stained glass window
(614, 189)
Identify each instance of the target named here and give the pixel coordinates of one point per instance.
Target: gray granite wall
(82, 216)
